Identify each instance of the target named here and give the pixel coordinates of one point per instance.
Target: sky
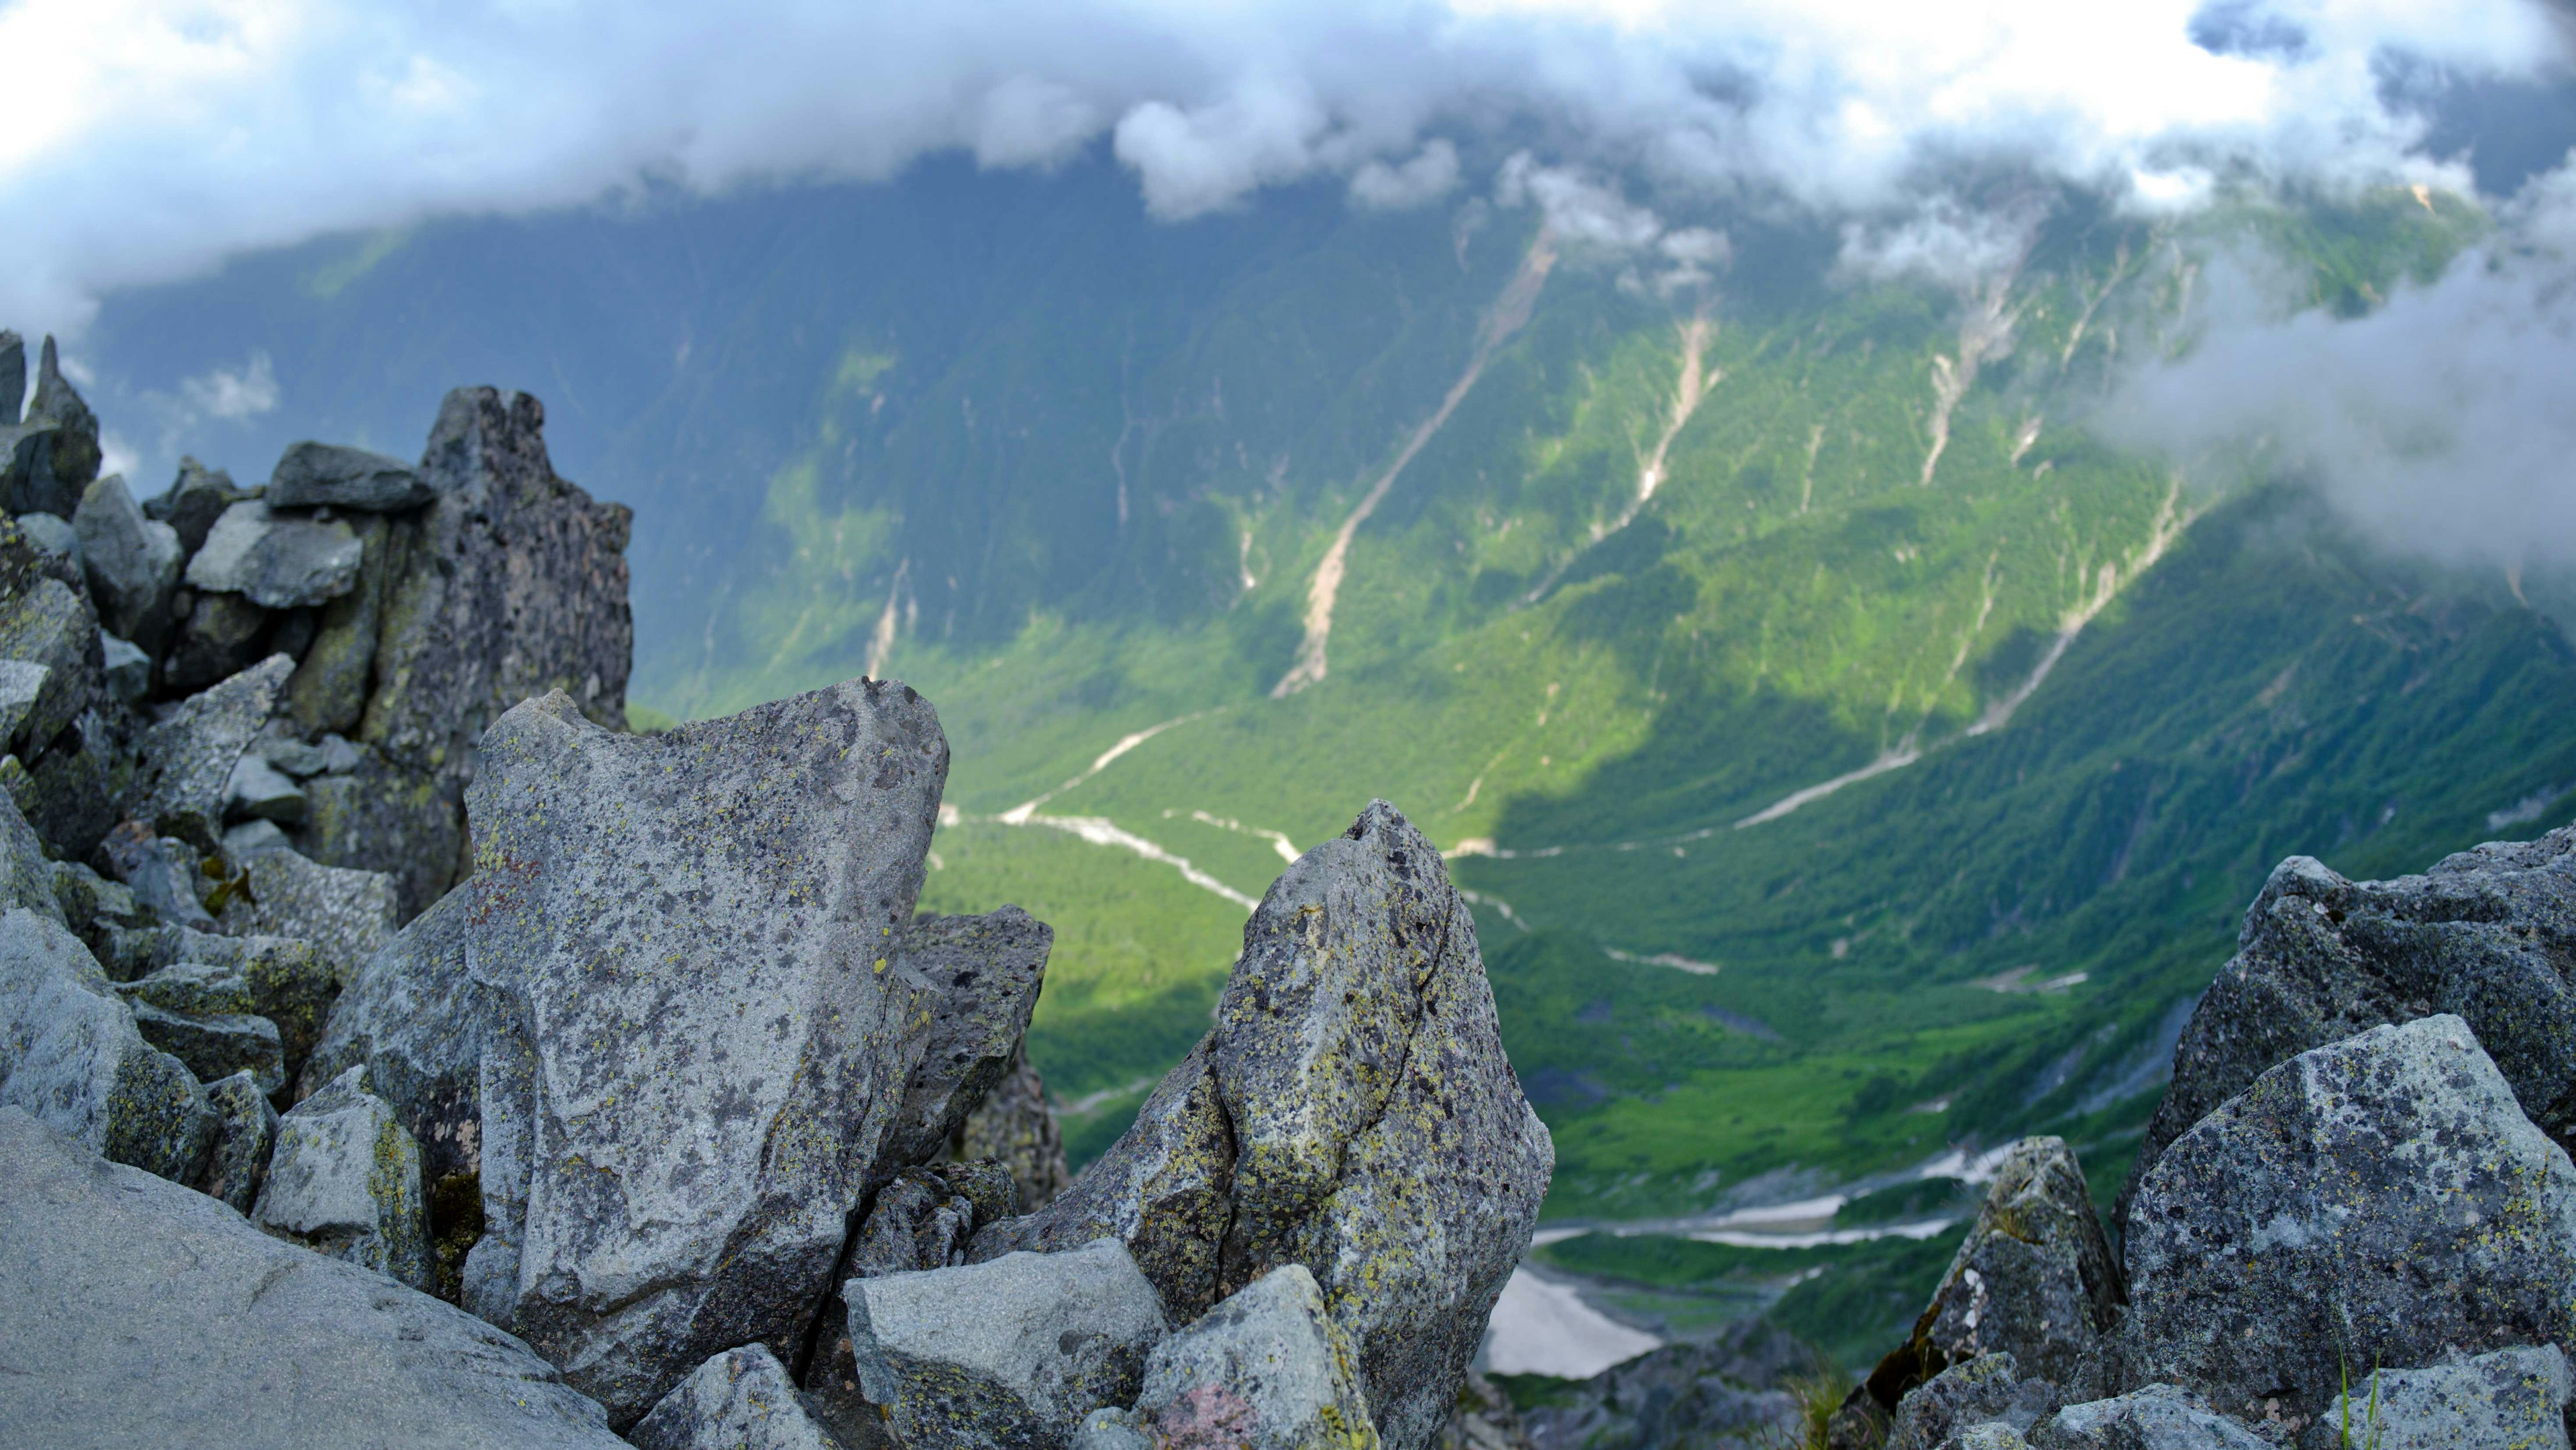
(157, 138)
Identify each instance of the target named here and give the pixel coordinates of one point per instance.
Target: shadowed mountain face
(1847, 755)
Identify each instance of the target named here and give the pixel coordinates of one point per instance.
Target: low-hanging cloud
(2441, 421)
(150, 139)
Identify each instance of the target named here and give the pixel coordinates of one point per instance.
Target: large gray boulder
(327, 475)
(988, 970)
(132, 562)
(186, 758)
(143, 1313)
(344, 1180)
(511, 582)
(276, 560)
(2376, 1201)
(2509, 1399)
(1006, 1355)
(742, 1399)
(2034, 1278)
(1267, 1369)
(2158, 1417)
(1352, 1111)
(70, 1055)
(2488, 934)
(697, 1030)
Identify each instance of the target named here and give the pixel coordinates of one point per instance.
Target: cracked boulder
(143, 1313)
(71, 1056)
(1007, 1354)
(344, 1180)
(684, 950)
(2375, 1201)
(740, 1400)
(1267, 1369)
(2488, 935)
(1353, 1112)
(2509, 1397)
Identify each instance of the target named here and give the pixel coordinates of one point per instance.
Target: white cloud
(157, 137)
(246, 393)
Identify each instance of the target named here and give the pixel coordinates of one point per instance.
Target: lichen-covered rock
(329, 691)
(1988, 1388)
(2034, 1277)
(510, 583)
(1726, 1390)
(922, 1219)
(49, 456)
(71, 1056)
(284, 979)
(2489, 935)
(326, 475)
(2373, 1201)
(215, 636)
(988, 970)
(186, 759)
(346, 914)
(740, 1400)
(124, 669)
(215, 1044)
(2507, 1399)
(276, 560)
(27, 879)
(2158, 1417)
(46, 620)
(1005, 1355)
(344, 1180)
(161, 871)
(1352, 1111)
(411, 1016)
(245, 1132)
(141, 1313)
(73, 792)
(692, 1119)
(132, 563)
(194, 500)
(1267, 1369)
(1016, 1128)
(22, 683)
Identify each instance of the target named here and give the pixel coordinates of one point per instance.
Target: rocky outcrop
(987, 971)
(142, 1313)
(325, 475)
(51, 454)
(2489, 935)
(2374, 1201)
(1352, 1111)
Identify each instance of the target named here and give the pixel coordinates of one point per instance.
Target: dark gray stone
(2034, 1278)
(131, 562)
(279, 980)
(218, 636)
(2508, 1399)
(347, 915)
(70, 1055)
(185, 762)
(194, 500)
(51, 454)
(161, 871)
(268, 1345)
(22, 683)
(260, 789)
(1978, 1391)
(740, 1400)
(216, 1044)
(329, 691)
(2158, 1417)
(328, 475)
(988, 970)
(1018, 1129)
(245, 1132)
(1728, 1390)
(685, 1127)
(344, 1180)
(923, 1219)
(91, 904)
(2373, 1202)
(125, 668)
(27, 879)
(75, 789)
(2489, 935)
(276, 560)
(411, 1016)
(52, 536)
(45, 620)
(13, 376)
(1352, 1111)
(1006, 1355)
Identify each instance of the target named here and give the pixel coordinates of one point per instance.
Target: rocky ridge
(577, 1082)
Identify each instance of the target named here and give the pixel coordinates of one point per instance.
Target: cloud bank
(153, 138)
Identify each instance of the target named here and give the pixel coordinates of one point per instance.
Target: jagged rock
(2510, 1399)
(279, 979)
(2158, 1417)
(922, 1219)
(303, 760)
(2373, 1201)
(1016, 1127)
(255, 838)
(194, 500)
(53, 536)
(1978, 1391)
(125, 668)
(411, 1016)
(276, 560)
(132, 563)
(245, 1132)
(708, 1114)
(216, 1044)
(344, 1180)
(27, 879)
(161, 871)
(51, 454)
(2488, 934)
(91, 904)
(45, 620)
(348, 915)
(261, 1343)
(1682, 1394)
(73, 791)
(510, 583)
(1013, 1352)
(740, 1400)
(1267, 1369)
(22, 682)
(258, 788)
(330, 476)
(1352, 1111)
(988, 970)
(329, 691)
(218, 636)
(185, 762)
(70, 1055)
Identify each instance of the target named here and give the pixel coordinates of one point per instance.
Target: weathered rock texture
(2512, 1398)
(50, 455)
(2159, 1417)
(1016, 1128)
(141, 1313)
(2034, 1278)
(71, 1056)
(245, 1133)
(987, 970)
(344, 1180)
(327, 475)
(697, 1024)
(1267, 1369)
(2489, 935)
(1725, 1390)
(2372, 1202)
(740, 1400)
(1352, 1112)
(1988, 1389)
